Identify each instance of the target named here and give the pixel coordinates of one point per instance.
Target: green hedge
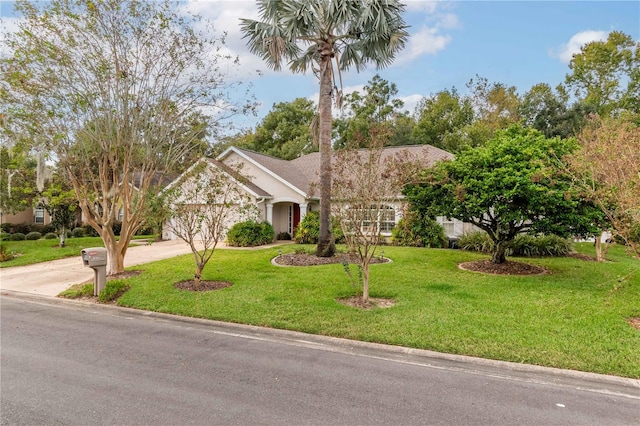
(523, 244)
(250, 234)
(308, 230)
(419, 232)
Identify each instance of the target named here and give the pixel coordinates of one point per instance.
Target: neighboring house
(284, 191)
(31, 215)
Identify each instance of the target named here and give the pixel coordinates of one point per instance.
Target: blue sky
(517, 43)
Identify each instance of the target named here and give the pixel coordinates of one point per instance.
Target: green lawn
(30, 252)
(575, 317)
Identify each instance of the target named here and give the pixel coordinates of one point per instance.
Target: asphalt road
(80, 364)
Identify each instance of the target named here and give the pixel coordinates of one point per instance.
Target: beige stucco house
(284, 191)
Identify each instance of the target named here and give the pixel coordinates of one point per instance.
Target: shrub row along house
(282, 192)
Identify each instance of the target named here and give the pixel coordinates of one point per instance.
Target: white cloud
(566, 51)
(411, 102)
(427, 41)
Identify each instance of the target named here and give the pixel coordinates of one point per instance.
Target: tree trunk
(115, 260)
(197, 277)
(498, 256)
(63, 236)
(599, 247)
(326, 246)
(365, 282)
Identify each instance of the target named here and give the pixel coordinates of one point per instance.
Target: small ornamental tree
(517, 183)
(367, 186)
(607, 169)
(205, 202)
(59, 200)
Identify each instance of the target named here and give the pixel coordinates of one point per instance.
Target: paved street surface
(75, 363)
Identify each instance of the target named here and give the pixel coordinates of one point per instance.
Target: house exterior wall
(25, 216)
(264, 180)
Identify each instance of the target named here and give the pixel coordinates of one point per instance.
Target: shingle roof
(303, 171)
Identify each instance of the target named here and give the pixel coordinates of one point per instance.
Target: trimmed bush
(283, 236)
(250, 234)
(50, 236)
(308, 230)
(78, 233)
(18, 236)
(418, 232)
(89, 231)
(523, 245)
(5, 236)
(34, 235)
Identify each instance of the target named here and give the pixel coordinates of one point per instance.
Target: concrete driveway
(53, 277)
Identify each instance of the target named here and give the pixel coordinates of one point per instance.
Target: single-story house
(284, 191)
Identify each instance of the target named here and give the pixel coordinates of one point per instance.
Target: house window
(39, 216)
(448, 225)
(375, 218)
(120, 214)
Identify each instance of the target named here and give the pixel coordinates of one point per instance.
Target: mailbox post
(96, 259)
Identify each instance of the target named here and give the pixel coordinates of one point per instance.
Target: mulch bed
(306, 259)
(203, 286)
(506, 268)
(374, 302)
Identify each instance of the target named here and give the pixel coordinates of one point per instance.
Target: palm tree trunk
(326, 246)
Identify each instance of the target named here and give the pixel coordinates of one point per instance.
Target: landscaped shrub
(34, 235)
(523, 245)
(249, 234)
(117, 227)
(18, 236)
(113, 290)
(418, 232)
(50, 236)
(308, 230)
(77, 233)
(5, 236)
(6, 227)
(5, 255)
(89, 231)
(476, 241)
(283, 236)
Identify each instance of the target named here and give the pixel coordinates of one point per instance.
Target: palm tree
(337, 34)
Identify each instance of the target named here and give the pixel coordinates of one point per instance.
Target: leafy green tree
(285, 132)
(337, 35)
(18, 178)
(606, 74)
(374, 107)
(114, 89)
(547, 111)
(441, 119)
(495, 105)
(59, 200)
(516, 183)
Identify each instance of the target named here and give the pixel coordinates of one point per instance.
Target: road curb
(601, 383)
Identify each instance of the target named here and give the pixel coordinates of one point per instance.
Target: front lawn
(30, 252)
(575, 317)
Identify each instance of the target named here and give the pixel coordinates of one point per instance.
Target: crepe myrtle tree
(367, 185)
(337, 35)
(516, 183)
(204, 202)
(607, 169)
(111, 89)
